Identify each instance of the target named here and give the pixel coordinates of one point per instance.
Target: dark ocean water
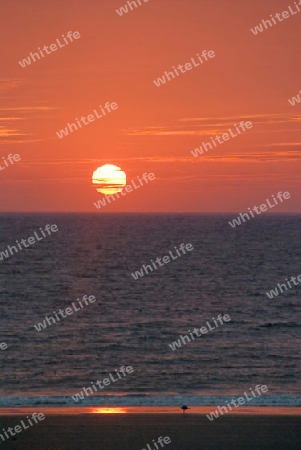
(134, 321)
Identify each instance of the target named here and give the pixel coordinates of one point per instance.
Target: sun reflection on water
(108, 411)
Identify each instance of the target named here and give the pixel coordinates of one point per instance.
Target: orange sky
(154, 129)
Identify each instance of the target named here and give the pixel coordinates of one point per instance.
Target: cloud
(6, 84)
(204, 126)
(18, 141)
(283, 144)
(254, 157)
(174, 132)
(10, 119)
(212, 158)
(29, 108)
(5, 132)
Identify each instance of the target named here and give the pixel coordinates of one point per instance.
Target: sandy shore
(135, 431)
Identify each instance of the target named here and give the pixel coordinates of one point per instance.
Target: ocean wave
(174, 400)
(280, 324)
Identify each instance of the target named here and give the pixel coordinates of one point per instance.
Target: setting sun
(109, 179)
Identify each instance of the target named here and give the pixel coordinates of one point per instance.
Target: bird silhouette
(184, 407)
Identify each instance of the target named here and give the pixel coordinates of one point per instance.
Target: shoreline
(148, 410)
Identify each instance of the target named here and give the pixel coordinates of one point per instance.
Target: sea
(134, 321)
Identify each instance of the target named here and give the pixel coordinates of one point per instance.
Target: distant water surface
(134, 321)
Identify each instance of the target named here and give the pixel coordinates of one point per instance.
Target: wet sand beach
(135, 431)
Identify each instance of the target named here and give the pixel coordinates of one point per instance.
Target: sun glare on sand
(109, 411)
(109, 179)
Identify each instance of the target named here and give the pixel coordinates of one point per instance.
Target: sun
(109, 179)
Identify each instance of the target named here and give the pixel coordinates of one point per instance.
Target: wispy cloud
(5, 132)
(270, 156)
(258, 118)
(8, 133)
(29, 108)
(8, 84)
(283, 144)
(254, 157)
(204, 126)
(18, 141)
(10, 119)
(174, 132)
